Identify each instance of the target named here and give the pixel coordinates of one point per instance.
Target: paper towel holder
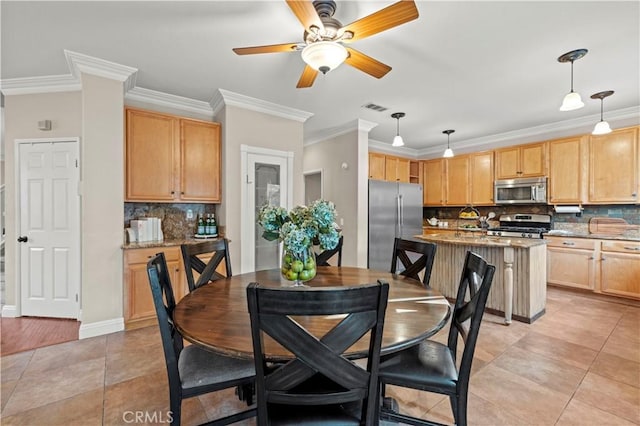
(569, 209)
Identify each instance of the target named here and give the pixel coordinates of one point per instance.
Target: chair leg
(461, 410)
(453, 399)
(175, 404)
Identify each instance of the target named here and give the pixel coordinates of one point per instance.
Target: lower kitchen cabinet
(620, 268)
(571, 262)
(138, 303)
(603, 266)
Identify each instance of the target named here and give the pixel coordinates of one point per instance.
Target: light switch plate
(189, 214)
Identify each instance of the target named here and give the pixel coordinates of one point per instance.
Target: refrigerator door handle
(399, 213)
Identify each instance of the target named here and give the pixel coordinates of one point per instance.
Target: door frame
(313, 172)
(16, 245)
(245, 150)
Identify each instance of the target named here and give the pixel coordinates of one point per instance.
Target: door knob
(23, 239)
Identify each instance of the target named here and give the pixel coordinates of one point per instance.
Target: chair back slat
(319, 373)
(207, 271)
(322, 259)
(402, 249)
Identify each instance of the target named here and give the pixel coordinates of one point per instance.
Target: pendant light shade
(572, 100)
(324, 56)
(602, 127)
(397, 140)
(448, 153)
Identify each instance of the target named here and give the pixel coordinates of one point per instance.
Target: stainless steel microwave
(521, 191)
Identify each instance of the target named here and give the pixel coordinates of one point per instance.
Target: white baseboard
(9, 311)
(101, 327)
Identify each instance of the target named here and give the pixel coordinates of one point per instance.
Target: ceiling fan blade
(272, 48)
(366, 63)
(307, 78)
(382, 20)
(306, 13)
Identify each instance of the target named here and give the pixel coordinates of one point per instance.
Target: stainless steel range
(522, 226)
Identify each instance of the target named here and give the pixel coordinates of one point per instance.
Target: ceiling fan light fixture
(397, 140)
(324, 56)
(601, 127)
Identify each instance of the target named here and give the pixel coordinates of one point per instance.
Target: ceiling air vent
(374, 107)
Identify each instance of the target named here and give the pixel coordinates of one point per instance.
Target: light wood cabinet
(521, 161)
(614, 167)
(567, 168)
(481, 172)
(415, 171)
(571, 262)
(376, 166)
(602, 266)
(139, 310)
(433, 182)
(396, 169)
(171, 159)
(457, 188)
(620, 268)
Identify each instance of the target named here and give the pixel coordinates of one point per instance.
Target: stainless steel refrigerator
(395, 210)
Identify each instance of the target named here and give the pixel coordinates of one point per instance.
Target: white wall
(22, 113)
(102, 202)
(241, 126)
(345, 187)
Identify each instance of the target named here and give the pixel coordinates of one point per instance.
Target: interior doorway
(267, 180)
(313, 189)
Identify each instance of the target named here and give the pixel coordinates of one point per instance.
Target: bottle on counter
(200, 230)
(214, 225)
(207, 225)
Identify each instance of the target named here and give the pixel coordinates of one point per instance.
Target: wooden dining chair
(322, 258)
(207, 271)
(431, 366)
(320, 385)
(404, 250)
(192, 371)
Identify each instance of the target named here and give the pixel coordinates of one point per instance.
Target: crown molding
(225, 97)
(622, 117)
(79, 63)
(386, 148)
(332, 132)
(44, 84)
(140, 94)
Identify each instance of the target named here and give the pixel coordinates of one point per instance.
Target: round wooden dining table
(216, 317)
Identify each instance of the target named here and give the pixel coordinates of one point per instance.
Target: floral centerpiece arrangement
(299, 230)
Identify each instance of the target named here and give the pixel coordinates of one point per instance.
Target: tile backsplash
(175, 224)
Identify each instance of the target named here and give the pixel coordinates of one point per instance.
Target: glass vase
(298, 266)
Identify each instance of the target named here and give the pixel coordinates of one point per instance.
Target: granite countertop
(482, 240)
(167, 243)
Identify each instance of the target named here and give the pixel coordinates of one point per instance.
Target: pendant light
(397, 140)
(448, 153)
(572, 100)
(602, 127)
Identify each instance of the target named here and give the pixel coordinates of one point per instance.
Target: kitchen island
(519, 288)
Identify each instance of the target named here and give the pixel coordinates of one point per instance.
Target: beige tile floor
(577, 365)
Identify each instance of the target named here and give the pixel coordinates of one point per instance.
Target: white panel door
(49, 229)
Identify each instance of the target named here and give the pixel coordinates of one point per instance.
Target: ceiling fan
(323, 48)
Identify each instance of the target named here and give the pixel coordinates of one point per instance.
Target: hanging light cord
(601, 109)
(572, 76)
(398, 126)
(448, 135)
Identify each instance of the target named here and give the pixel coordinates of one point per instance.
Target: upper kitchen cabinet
(390, 168)
(481, 174)
(433, 188)
(521, 161)
(457, 191)
(171, 159)
(376, 166)
(396, 169)
(613, 167)
(567, 170)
